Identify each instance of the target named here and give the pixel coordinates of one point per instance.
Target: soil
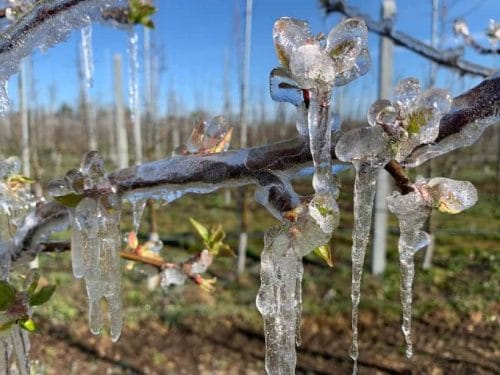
(228, 346)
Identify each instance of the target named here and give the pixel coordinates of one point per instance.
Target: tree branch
(449, 59)
(264, 166)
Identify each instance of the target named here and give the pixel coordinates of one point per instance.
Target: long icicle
(364, 193)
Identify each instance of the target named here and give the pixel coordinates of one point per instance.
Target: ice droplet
(381, 112)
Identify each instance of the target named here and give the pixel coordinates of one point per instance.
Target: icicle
(21, 345)
(412, 211)
(280, 296)
(87, 55)
(368, 149)
(133, 86)
(137, 211)
(96, 238)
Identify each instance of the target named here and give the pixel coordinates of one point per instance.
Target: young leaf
(28, 325)
(200, 229)
(42, 296)
(31, 282)
(325, 254)
(69, 200)
(7, 295)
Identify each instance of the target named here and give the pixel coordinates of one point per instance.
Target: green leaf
(325, 254)
(5, 326)
(140, 13)
(70, 200)
(32, 278)
(28, 325)
(42, 296)
(7, 295)
(200, 229)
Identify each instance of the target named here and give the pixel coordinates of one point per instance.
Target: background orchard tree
(403, 132)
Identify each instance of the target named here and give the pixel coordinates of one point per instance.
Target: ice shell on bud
(58, 188)
(381, 112)
(75, 179)
(93, 165)
(311, 66)
(216, 127)
(452, 196)
(347, 39)
(172, 276)
(11, 165)
(437, 99)
(289, 34)
(370, 145)
(283, 88)
(407, 91)
(359, 68)
(412, 204)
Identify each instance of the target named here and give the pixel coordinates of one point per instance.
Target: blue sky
(197, 37)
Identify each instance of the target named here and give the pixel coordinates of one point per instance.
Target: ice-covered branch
(46, 24)
(446, 58)
(260, 165)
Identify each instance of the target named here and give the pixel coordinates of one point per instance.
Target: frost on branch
(412, 210)
(95, 238)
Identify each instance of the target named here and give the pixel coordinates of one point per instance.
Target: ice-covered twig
(446, 58)
(247, 166)
(46, 24)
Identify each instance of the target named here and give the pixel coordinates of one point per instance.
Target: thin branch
(449, 59)
(259, 165)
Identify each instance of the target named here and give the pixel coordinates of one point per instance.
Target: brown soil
(228, 346)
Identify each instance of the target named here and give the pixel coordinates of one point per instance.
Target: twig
(446, 58)
(401, 180)
(258, 165)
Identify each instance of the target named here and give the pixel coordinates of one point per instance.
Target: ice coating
(451, 196)
(209, 136)
(412, 211)
(96, 242)
(467, 136)
(34, 30)
(283, 88)
(279, 299)
(368, 149)
(87, 55)
(311, 66)
(133, 92)
(171, 277)
(288, 34)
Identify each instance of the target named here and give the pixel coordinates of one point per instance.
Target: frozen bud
(436, 99)
(452, 196)
(155, 246)
(283, 88)
(111, 201)
(74, 179)
(216, 127)
(349, 72)
(382, 112)
(288, 35)
(406, 92)
(346, 40)
(311, 66)
(172, 276)
(93, 165)
(369, 145)
(58, 188)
